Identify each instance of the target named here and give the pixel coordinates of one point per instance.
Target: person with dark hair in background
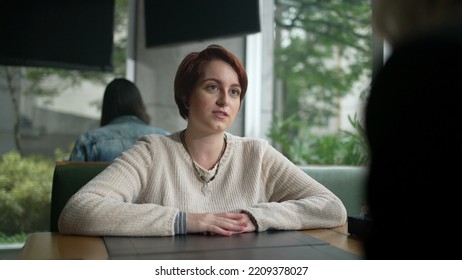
(202, 179)
(413, 122)
(123, 121)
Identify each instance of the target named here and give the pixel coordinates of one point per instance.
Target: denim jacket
(108, 142)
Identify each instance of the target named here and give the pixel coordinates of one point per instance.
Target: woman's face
(215, 101)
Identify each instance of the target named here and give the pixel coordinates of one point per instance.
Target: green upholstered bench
(68, 178)
(347, 182)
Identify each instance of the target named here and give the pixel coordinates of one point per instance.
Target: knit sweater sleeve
(112, 203)
(295, 200)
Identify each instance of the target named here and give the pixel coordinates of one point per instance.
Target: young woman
(202, 179)
(123, 121)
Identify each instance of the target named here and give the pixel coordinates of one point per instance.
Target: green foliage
(358, 140)
(63, 154)
(323, 49)
(25, 193)
(15, 238)
(303, 147)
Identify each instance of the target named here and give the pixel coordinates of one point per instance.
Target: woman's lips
(220, 114)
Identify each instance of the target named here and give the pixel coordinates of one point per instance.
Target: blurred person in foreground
(202, 179)
(123, 121)
(413, 123)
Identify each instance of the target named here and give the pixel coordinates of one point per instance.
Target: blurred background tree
(323, 52)
(25, 192)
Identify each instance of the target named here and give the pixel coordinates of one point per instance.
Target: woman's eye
(235, 92)
(213, 87)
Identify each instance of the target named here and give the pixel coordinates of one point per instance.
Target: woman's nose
(222, 99)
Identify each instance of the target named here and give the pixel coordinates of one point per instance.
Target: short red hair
(191, 69)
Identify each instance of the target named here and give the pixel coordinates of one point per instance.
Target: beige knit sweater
(142, 191)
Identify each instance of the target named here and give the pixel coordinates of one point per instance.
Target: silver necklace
(194, 163)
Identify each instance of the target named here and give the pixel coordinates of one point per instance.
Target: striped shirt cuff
(180, 223)
(252, 218)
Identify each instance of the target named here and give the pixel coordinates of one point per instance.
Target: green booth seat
(68, 178)
(347, 182)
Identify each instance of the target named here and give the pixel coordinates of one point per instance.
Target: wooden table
(340, 238)
(53, 246)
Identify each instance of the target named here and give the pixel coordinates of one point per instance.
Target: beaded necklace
(194, 163)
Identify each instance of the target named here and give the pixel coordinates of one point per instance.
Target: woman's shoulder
(253, 146)
(246, 140)
(152, 138)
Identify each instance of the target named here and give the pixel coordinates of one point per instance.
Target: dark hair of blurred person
(413, 122)
(122, 98)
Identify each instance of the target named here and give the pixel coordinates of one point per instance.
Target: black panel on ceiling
(176, 21)
(72, 34)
